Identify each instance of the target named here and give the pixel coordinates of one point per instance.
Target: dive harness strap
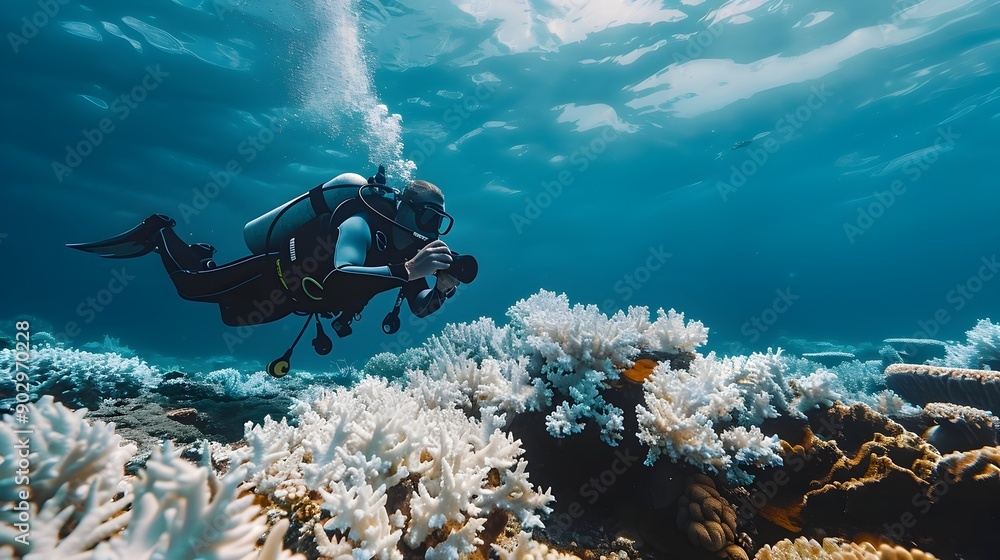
(318, 201)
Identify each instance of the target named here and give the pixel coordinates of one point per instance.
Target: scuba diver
(326, 253)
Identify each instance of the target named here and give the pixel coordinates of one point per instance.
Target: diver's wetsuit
(302, 276)
(236, 286)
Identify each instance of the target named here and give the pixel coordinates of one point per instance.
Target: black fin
(133, 243)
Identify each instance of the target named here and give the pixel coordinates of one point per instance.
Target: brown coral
(971, 477)
(708, 519)
(836, 549)
(852, 469)
(921, 384)
(875, 485)
(959, 428)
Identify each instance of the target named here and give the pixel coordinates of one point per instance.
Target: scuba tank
(265, 233)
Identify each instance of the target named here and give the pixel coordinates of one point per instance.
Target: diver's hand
(445, 282)
(433, 257)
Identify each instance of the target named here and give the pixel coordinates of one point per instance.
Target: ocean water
(780, 170)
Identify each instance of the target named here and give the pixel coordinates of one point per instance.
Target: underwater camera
(464, 268)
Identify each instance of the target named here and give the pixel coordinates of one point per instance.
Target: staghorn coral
(836, 549)
(356, 448)
(82, 506)
(525, 548)
(708, 519)
(761, 380)
(493, 391)
(581, 351)
(888, 403)
(669, 333)
(682, 407)
(63, 450)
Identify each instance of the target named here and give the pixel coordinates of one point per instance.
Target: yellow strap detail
(306, 290)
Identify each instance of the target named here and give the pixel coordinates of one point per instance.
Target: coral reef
(351, 450)
(708, 519)
(829, 359)
(921, 384)
(917, 350)
(79, 502)
(959, 428)
(837, 549)
(428, 453)
(982, 349)
(682, 407)
(79, 378)
(527, 549)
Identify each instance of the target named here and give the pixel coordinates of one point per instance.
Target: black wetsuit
(300, 276)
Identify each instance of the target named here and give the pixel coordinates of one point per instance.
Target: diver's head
(421, 209)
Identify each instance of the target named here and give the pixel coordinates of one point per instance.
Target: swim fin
(133, 243)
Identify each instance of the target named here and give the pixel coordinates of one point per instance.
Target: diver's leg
(221, 283)
(178, 255)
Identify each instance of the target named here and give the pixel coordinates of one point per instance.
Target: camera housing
(464, 268)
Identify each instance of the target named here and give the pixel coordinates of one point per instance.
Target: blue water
(584, 147)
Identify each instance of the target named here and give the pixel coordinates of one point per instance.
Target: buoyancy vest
(305, 264)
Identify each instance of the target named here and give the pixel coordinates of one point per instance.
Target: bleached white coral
(815, 391)
(237, 384)
(82, 506)
(761, 380)
(983, 345)
(682, 409)
(81, 378)
(61, 448)
(669, 333)
(890, 404)
(185, 511)
(580, 349)
(527, 548)
(486, 390)
(358, 443)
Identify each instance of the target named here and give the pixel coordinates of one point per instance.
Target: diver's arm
(353, 243)
(424, 300)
